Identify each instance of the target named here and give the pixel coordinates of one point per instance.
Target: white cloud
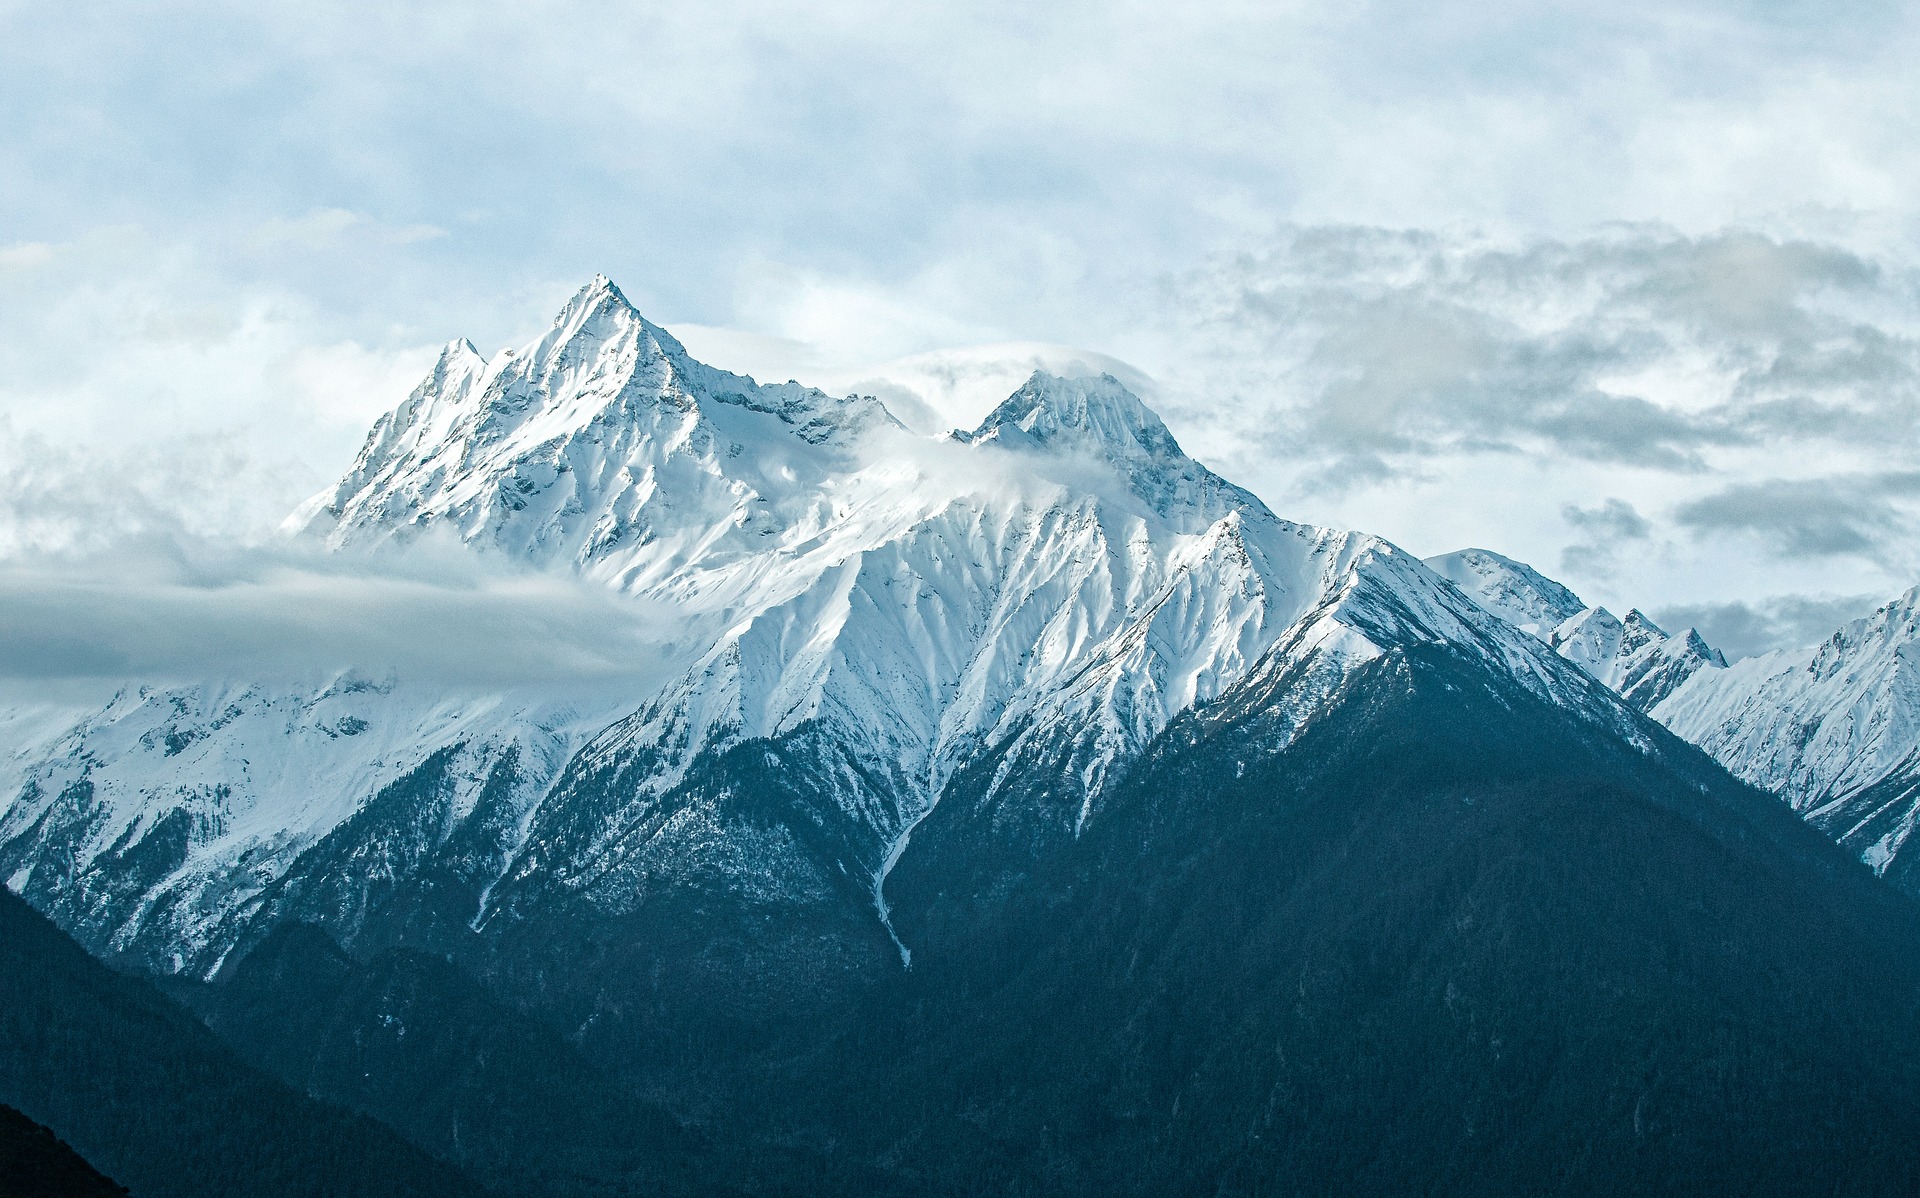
(768, 359)
(62, 500)
(154, 565)
(348, 385)
(1734, 388)
(1366, 248)
(271, 614)
(930, 392)
(25, 255)
(1742, 628)
(331, 228)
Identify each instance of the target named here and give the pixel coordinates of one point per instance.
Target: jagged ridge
(847, 607)
(1634, 656)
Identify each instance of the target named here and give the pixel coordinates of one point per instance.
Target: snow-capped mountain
(157, 816)
(1218, 850)
(1834, 729)
(1633, 656)
(1512, 590)
(876, 609)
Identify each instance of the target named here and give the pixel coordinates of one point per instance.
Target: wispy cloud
(1640, 347)
(152, 566)
(1743, 628)
(1602, 531)
(1456, 388)
(1862, 515)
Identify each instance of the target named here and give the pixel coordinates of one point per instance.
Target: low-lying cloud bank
(164, 610)
(162, 564)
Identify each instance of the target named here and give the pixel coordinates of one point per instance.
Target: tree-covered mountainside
(1832, 730)
(410, 1039)
(1452, 942)
(148, 1095)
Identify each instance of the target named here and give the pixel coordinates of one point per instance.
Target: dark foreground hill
(151, 1097)
(35, 1163)
(408, 1039)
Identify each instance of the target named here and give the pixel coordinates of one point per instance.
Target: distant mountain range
(1832, 729)
(1021, 809)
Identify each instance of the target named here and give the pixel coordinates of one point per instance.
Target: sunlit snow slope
(1834, 729)
(848, 613)
(1634, 656)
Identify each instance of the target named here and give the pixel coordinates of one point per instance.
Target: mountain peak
(1095, 417)
(600, 312)
(457, 357)
(1085, 412)
(600, 291)
(1636, 630)
(599, 436)
(1509, 589)
(1631, 654)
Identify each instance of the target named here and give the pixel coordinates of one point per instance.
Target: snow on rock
(167, 809)
(1834, 729)
(603, 446)
(1512, 590)
(1634, 656)
(861, 613)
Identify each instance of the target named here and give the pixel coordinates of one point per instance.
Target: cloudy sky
(1630, 291)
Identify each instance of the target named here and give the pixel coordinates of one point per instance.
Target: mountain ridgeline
(1833, 730)
(35, 1163)
(1022, 810)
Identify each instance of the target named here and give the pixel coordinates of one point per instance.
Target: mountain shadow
(35, 1163)
(410, 1039)
(147, 1094)
(1455, 940)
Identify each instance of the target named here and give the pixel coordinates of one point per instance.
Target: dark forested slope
(35, 1163)
(1453, 941)
(148, 1095)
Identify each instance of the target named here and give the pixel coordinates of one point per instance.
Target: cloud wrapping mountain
(1027, 805)
(1053, 587)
